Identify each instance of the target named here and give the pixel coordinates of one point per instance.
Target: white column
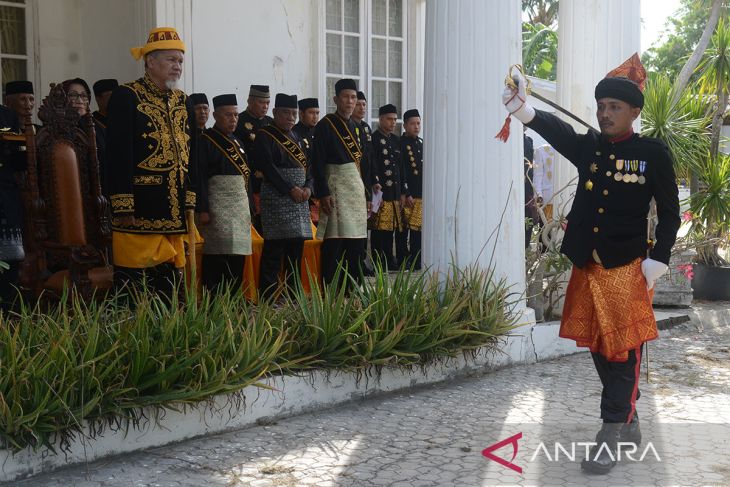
(178, 14)
(472, 182)
(594, 36)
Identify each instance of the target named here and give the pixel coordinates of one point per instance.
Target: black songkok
(259, 91)
(224, 101)
(199, 99)
(386, 109)
(18, 87)
(306, 103)
(104, 85)
(285, 101)
(411, 114)
(345, 84)
(622, 89)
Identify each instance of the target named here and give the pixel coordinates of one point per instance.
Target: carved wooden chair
(67, 236)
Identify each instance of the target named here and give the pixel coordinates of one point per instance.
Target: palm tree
(682, 124)
(543, 12)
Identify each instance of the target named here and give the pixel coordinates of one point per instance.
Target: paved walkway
(434, 436)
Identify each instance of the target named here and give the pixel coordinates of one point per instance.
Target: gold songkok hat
(161, 38)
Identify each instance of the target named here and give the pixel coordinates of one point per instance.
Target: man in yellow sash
(150, 148)
(224, 219)
(338, 185)
(608, 303)
(285, 192)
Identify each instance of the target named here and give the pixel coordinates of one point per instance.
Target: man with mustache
(151, 150)
(615, 265)
(336, 161)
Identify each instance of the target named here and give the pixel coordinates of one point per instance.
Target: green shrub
(104, 361)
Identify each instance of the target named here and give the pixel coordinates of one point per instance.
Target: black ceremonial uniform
(212, 161)
(11, 209)
(365, 133)
(616, 182)
(530, 204)
(221, 162)
(100, 119)
(606, 239)
(306, 135)
(151, 160)
(336, 144)
(286, 224)
(149, 148)
(387, 168)
(412, 156)
(245, 131)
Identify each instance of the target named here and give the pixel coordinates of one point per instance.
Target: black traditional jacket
(387, 162)
(245, 131)
(274, 149)
(100, 119)
(365, 133)
(150, 150)
(616, 181)
(306, 135)
(335, 142)
(219, 155)
(412, 155)
(12, 161)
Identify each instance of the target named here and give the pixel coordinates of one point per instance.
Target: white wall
(89, 39)
(244, 42)
(231, 43)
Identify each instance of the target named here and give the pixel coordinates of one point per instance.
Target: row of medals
(631, 165)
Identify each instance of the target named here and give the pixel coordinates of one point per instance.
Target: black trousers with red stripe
(620, 386)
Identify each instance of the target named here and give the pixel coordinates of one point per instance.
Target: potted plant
(710, 208)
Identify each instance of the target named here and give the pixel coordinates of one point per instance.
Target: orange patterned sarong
(608, 310)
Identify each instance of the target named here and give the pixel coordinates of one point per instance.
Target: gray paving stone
(434, 435)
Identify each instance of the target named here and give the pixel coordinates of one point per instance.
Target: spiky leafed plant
(711, 209)
(683, 125)
(539, 51)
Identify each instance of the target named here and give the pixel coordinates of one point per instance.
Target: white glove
(653, 270)
(516, 101)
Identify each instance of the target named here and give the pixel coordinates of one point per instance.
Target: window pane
(379, 57)
(14, 70)
(12, 27)
(377, 98)
(334, 14)
(395, 59)
(380, 21)
(352, 16)
(395, 18)
(334, 53)
(395, 95)
(352, 55)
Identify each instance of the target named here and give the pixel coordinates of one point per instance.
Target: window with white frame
(14, 48)
(365, 41)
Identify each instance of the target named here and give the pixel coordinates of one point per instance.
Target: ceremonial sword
(528, 89)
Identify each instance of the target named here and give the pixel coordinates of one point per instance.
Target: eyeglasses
(73, 96)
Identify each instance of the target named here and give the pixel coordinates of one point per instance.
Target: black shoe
(631, 433)
(602, 457)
